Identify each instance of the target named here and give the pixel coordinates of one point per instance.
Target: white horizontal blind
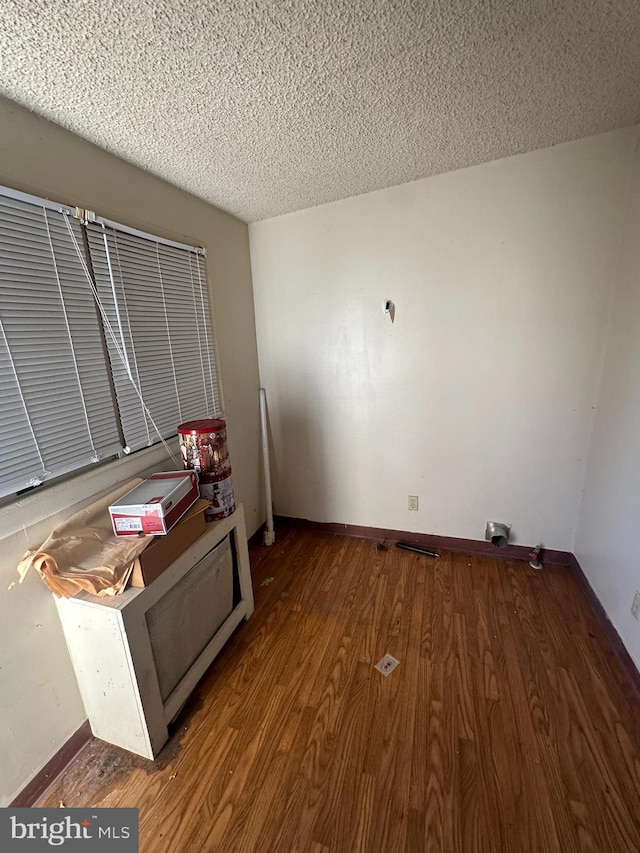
(155, 297)
(56, 410)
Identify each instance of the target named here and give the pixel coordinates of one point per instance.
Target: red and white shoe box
(156, 505)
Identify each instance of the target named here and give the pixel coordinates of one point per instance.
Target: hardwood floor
(508, 726)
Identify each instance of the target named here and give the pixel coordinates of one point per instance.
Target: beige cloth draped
(83, 553)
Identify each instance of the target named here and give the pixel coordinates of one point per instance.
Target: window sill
(29, 511)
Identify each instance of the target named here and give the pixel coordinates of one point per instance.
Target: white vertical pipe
(269, 536)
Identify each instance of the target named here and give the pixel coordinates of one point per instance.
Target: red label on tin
(206, 452)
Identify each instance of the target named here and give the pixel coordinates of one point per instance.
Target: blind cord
(126, 311)
(166, 321)
(112, 335)
(95, 457)
(204, 320)
(195, 311)
(35, 481)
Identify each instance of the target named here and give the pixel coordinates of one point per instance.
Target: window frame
(157, 443)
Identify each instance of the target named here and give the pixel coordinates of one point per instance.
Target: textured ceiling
(270, 106)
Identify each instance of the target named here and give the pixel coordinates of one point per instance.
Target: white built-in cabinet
(137, 656)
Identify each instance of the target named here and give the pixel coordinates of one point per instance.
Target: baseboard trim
(32, 792)
(608, 629)
(449, 543)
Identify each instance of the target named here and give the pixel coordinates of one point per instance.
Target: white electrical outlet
(635, 607)
(413, 503)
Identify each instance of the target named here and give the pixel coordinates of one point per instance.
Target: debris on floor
(406, 546)
(266, 582)
(387, 664)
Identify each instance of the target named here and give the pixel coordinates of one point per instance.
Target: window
(106, 340)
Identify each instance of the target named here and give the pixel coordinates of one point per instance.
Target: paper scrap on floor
(387, 664)
(83, 553)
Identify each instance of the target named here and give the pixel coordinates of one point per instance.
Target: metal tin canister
(219, 492)
(203, 445)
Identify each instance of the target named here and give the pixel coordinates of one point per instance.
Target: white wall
(479, 399)
(608, 538)
(40, 706)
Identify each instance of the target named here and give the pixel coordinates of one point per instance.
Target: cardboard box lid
(157, 494)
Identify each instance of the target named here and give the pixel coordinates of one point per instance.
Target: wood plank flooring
(508, 726)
